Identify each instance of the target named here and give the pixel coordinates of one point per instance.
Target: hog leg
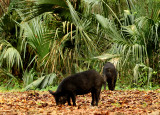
(104, 81)
(110, 84)
(97, 94)
(68, 100)
(93, 97)
(114, 84)
(73, 96)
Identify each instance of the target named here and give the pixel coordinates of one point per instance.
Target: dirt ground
(131, 102)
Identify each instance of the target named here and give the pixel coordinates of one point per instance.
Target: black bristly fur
(110, 75)
(79, 84)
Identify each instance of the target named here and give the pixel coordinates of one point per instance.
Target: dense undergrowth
(43, 42)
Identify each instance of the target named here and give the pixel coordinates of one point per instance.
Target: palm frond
(34, 84)
(128, 47)
(42, 82)
(110, 28)
(34, 8)
(107, 56)
(53, 2)
(36, 34)
(138, 73)
(10, 55)
(6, 73)
(82, 26)
(28, 77)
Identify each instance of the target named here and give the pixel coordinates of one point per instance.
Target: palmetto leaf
(127, 48)
(41, 82)
(137, 72)
(107, 56)
(74, 14)
(36, 35)
(82, 32)
(28, 77)
(10, 55)
(34, 8)
(6, 73)
(48, 80)
(110, 28)
(34, 84)
(90, 1)
(54, 2)
(131, 30)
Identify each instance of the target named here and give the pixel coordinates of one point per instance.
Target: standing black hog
(110, 75)
(79, 84)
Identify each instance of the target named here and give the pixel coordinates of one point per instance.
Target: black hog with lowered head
(110, 75)
(79, 84)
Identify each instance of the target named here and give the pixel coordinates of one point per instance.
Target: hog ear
(51, 92)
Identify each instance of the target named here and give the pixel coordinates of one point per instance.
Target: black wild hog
(110, 75)
(79, 84)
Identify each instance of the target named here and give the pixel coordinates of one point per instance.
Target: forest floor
(130, 102)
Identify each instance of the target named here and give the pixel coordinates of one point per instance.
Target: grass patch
(54, 88)
(5, 89)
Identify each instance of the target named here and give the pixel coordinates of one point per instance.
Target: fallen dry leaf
(111, 103)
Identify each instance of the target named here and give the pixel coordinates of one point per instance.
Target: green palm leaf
(34, 8)
(36, 35)
(61, 3)
(10, 55)
(41, 82)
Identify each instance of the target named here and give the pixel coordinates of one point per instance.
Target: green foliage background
(42, 42)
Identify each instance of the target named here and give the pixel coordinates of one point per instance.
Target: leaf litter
(131, 102)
